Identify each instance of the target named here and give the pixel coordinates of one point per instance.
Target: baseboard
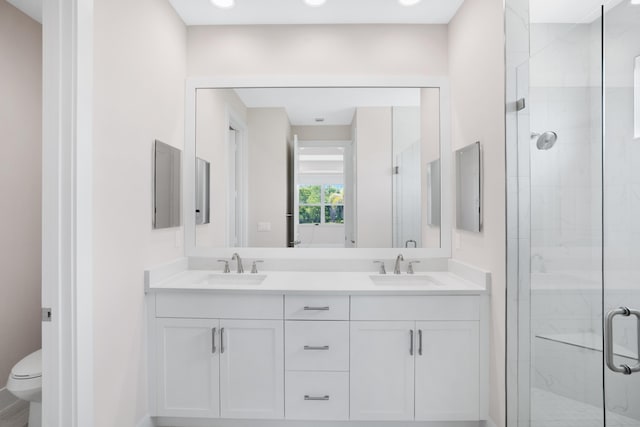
(146, 421)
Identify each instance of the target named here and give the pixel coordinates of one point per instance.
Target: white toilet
(25, 382)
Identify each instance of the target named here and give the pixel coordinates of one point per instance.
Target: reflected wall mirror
(468, 184)
(166, 185)
(317, 167)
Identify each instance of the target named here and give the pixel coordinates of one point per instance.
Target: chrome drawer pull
(321, 347)
(307, 308)
(222, 341)
(213, 340)
(307, 397)
(419, 342)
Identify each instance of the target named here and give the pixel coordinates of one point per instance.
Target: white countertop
(297, 282)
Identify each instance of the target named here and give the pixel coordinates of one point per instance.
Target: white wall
(269, 133)
(211, 145)
(140, 57)
(20, 186)
(318, 50)
(373, 177)
(476, 66)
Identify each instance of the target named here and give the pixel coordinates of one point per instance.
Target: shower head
(546, 140)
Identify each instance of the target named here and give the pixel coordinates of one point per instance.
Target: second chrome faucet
(236, 257)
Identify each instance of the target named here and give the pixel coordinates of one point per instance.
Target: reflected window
(321, 204)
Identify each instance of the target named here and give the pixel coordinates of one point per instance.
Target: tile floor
(552, 410)
(16, 415)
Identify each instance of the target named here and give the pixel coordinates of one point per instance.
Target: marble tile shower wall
(566, 179)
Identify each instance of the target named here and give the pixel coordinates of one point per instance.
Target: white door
(296, 196)
(252, 369)
(188, 367)
(382, 368)
(350, 197)
(447, 371)
(233, 189)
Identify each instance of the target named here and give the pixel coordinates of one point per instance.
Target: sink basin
(234, 279)
(404, 280)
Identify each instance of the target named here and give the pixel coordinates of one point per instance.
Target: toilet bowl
(25, 382)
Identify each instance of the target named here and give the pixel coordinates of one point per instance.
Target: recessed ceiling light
(408, 2)
(315, 3)
(223, 4)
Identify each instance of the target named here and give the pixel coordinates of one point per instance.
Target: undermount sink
(234, 279)
(404, 280)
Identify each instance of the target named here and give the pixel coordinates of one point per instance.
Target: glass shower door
(621, 214)
(564, 141)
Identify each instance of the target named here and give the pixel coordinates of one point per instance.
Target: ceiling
(33, 8)
(568, 11)
(202, 12)
(336, 105)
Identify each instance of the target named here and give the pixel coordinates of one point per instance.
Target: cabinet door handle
(308, 308)
(411, 342)
(221, 340)
(319, 347)
(307, 397)
(213, 340)
(419, 342)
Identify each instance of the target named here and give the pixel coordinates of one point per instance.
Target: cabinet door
(447, 371)
(252, 369)
(382, 370)
(188, 365)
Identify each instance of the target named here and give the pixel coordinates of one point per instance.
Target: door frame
(67, 221)
(235, 121)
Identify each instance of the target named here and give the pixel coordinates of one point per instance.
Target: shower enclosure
(577, 312)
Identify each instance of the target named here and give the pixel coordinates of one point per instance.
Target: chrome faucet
(236, 257)
(396, 269)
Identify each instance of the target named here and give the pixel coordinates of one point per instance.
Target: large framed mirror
(308, 169)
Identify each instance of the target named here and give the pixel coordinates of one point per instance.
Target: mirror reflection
(320, 167)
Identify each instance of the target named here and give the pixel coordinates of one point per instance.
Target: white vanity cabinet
(251, 369)
(318, 357)
(209, 367)
(415, 358)
(187, 361)
(447, 371)
(382, 370)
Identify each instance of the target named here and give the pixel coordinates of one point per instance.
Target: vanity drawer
(204, 305)
(438, 307)
(317, 395)
(316, 346)
(301, 307)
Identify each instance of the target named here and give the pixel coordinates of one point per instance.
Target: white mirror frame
(195, 83)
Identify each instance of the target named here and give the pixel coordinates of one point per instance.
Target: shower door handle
(608, 342)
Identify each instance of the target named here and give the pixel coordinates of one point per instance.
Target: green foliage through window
(321, 204)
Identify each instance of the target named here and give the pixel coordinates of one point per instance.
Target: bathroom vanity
(309, 346)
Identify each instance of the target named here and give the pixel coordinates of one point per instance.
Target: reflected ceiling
(247, 12)
(335, 105)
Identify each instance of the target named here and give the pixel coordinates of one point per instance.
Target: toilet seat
(29, 367)
(25, 380)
